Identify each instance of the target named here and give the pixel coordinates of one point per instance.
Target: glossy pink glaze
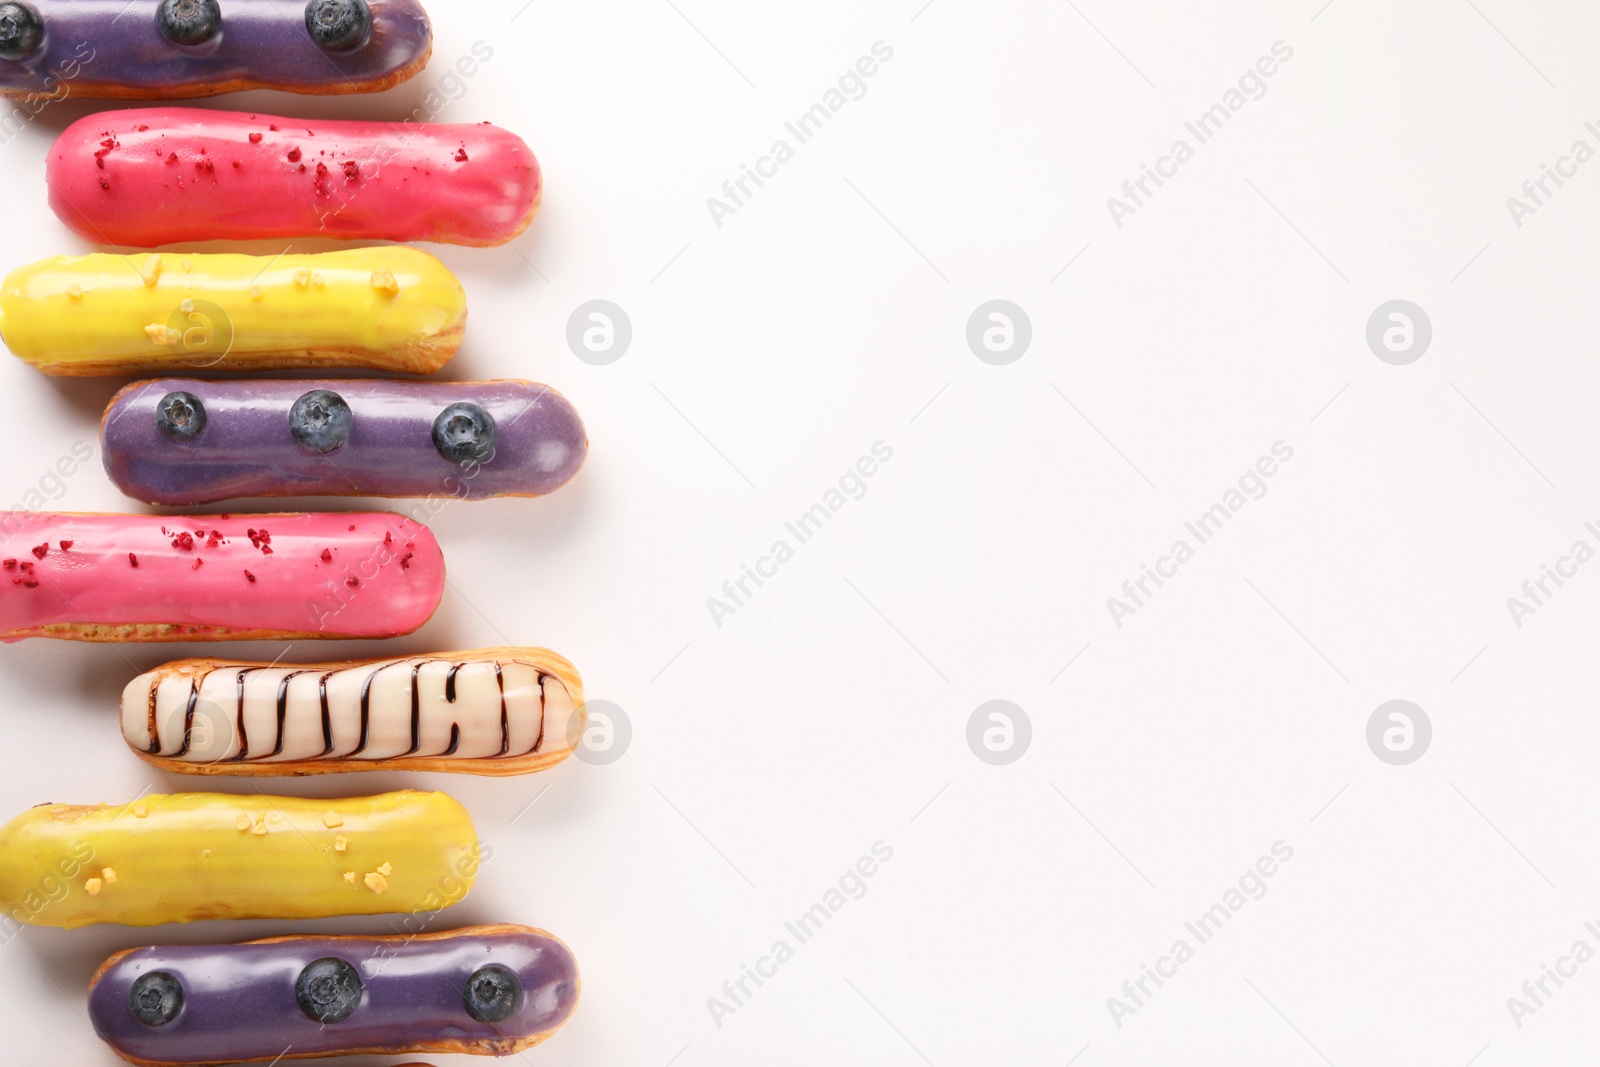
(155, 176)
(215, 578)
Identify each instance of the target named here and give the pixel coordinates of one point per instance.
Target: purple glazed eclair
(171, 49)
(183, 442)
(483, 990)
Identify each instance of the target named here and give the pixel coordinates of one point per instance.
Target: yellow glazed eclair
(164, 859)
(389, 308)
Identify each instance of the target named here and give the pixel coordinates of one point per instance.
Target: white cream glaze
(502, 708)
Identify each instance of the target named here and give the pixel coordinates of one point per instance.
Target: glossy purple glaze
(246, 449)
(114, 48)
(239, 1000)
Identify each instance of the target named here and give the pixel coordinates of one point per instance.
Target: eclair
(176, 859)
(496, 711)
(462, 440)
(171, 49)
(388, 308)
(102, 577)
(484, 990)
(156, 176)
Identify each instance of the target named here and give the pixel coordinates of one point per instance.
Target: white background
(830, 712)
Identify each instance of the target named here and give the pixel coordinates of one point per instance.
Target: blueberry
(321, 420)
(181, 416)
(156, 998)
(21, 30)
(464, 433)
(494, 993)
(188, 21)
(338, 25)
(328, 990)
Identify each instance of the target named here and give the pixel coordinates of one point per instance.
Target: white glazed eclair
(497, 711)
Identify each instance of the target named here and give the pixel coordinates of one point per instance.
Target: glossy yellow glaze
(179, 858)
(388, 307)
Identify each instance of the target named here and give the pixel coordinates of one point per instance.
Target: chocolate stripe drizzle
(540, 739)
(451, 692)
(416, 709)
(505, 722)
(188, 718)
(283, 707)
(327, 720)
(244, 740)
(366, 711)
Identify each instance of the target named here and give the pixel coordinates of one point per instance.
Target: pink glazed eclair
(155, 176)
(103, 577)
